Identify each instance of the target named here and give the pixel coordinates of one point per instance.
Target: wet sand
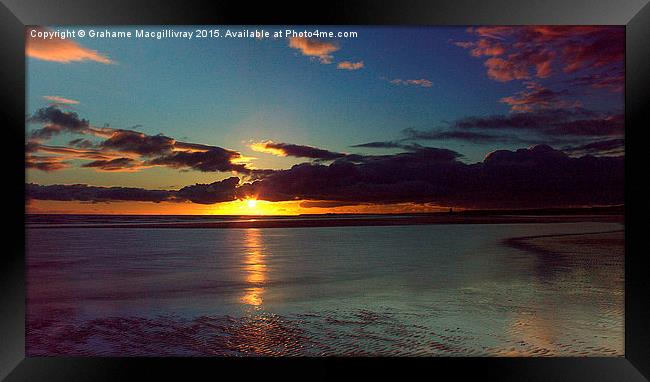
(592, 244)
(552, 290)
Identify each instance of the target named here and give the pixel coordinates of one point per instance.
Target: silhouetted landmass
(549, 215)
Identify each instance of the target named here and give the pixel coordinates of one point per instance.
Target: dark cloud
(44, 163)
(216, 192)
(138, 143)
(536, 177)
(613, 79)
(611, 125)
(389, 178)
(300, 151)
(469, 136)
(55, 121)
(214, 159)
(535, 126)
(160, 150)
(85, 193)
(223, 191)
(380, 145)
(399, 144)
(557, 122)
(417, 154)
(606, 147)
(31, 147)
(423, 82)
(117, 164)
(124, 150)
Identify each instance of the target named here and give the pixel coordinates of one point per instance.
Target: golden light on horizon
(253, 206)
(236, 207)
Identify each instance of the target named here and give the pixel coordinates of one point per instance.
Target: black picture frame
(634, 14)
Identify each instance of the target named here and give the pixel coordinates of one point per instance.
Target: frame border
(634, 14)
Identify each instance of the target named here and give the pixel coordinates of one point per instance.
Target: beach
(128, 287)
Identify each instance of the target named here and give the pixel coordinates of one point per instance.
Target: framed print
(370, 189)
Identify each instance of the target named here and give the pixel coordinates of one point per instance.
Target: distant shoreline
(352, 221)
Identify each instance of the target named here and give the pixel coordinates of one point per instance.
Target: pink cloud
(518, 53)
(495, 32)
(537, 97)
(59, 50)
(482, 47)
(314, 48)
(61, 100)
(504, 70)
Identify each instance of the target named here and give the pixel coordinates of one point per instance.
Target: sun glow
(236, 207)
(265, 147)
(252, 206)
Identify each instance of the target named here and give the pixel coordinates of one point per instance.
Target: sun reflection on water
(254, 268)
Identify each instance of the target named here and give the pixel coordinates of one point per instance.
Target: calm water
(454, 290)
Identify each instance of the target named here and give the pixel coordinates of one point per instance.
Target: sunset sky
(394, 120)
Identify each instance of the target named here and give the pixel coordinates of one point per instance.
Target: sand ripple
(359, 333)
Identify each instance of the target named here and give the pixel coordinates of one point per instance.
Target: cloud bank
(121, 149)
(536, 177)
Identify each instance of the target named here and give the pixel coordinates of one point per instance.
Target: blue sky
(226, 91)
(519, 86)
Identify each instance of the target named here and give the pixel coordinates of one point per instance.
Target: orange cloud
(44, 163)
(60, 50)
(61, 100)
(314, 48)
(289, 149)
(347, 65)
(267, 147)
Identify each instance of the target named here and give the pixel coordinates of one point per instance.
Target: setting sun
(251, 203)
